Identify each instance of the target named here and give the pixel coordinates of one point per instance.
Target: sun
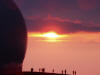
(47, 35)
(51, 35)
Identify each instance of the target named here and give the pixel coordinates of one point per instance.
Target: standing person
(32, 69)
(13, 37)
(43, 69)
(39, 70)
(62, 72)
(53, 70)
(73, 72)
(65, 71)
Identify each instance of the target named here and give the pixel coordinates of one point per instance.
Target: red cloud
(62, 19)
(44, 24)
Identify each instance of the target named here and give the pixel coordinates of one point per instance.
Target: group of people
(74, 72)
(40, 70)
(64, 72)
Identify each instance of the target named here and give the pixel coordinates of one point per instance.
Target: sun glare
(51, 35)
(48, 36)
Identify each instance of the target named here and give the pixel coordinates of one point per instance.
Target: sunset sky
(78, 21)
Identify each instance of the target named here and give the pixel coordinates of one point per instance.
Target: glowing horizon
(49, 36)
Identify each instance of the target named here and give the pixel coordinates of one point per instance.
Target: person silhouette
(65, 71)
(39, 69)
(43, 70)
(13, 37)
(32, 69)
(73, 72)
(53, 71)
(62, 72)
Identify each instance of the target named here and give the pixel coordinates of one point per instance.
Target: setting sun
(51, 35)
(48, 36)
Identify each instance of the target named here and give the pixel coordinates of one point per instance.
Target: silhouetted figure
(53, 70)
(62, 72)
(32, 69)
(75, 72)
(43, 69)
(39, 70)
(13, 36)
(65, 71)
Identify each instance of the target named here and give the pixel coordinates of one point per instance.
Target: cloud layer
(68, 16)
(38, 24)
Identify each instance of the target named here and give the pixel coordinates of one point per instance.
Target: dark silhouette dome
(13, 34)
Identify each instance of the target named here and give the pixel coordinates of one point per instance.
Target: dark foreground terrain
(32, 73)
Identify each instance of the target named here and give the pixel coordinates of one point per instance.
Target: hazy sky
(80, 19)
